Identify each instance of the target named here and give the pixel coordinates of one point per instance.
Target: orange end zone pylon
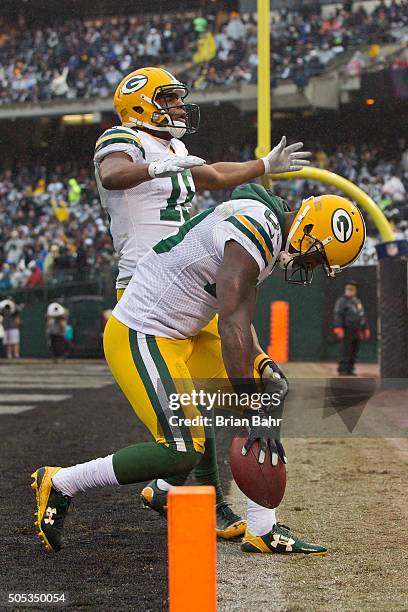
(192, 549)
(278, 348)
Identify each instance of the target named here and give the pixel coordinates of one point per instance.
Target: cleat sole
(234, 532)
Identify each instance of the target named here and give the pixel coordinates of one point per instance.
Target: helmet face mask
(163, 117)
(299, 267)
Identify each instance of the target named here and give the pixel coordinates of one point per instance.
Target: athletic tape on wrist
(150, 169)
(267, 165)
(260, 363)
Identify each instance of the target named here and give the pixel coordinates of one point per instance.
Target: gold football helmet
(135, 101)
(328, 230)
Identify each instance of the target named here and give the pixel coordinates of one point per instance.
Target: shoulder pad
(119, 135)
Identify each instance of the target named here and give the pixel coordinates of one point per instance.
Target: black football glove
(266, 438)
(275, 383)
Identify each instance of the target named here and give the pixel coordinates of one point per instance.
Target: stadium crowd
(84, 59)
(54, 229)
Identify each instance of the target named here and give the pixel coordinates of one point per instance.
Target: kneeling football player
(155, 346)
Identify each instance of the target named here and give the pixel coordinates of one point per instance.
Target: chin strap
(295, 225)
(175, 131)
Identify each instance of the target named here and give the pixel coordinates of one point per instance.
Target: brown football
(262, 482)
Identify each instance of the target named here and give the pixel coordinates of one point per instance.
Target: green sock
(177, 481)
(206, 470)
(149, 460)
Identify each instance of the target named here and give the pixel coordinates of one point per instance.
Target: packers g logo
(342, 225)
(134, 84)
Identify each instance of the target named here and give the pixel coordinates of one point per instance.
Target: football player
(147, 180)
(156, 344)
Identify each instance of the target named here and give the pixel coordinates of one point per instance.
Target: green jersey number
(176, 209)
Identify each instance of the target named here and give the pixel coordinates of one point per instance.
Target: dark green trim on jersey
(167, 381)
(121, 140)
(253, 191)
(249, 235)
(262, 231)
(165, 245)
(148, 385)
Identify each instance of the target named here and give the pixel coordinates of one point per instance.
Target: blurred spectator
(350, 327)
(321, 159)
(11, 324)
(394, 188)
(14, 248)
(2, 354)
(153, 46)
(74, 192)
(356, 64)
(36, 277)
(235, 29)
(49, 263)
(59, 86)
(206, 48)
(56, 325)
(5, 282)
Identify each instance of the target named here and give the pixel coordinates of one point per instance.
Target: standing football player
(147, 180)
(155, 347)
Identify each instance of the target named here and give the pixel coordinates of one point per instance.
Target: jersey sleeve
(250, 233)
(119, 140)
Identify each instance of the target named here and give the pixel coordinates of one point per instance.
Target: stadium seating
(76, 59)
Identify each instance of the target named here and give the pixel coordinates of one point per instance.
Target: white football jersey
(172, 292)
(142, 215)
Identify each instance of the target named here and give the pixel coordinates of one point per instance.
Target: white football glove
(286, 159)
(172, 165)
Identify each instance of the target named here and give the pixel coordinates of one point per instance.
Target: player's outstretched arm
(118, 171)
(223, 175)
(236, 294)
